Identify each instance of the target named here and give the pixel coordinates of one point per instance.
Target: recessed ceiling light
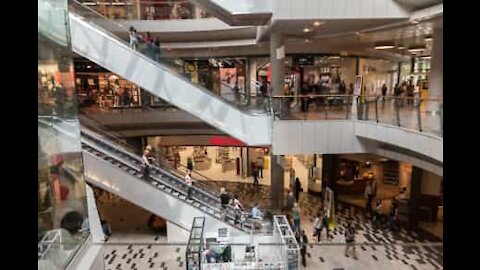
(306, 30)
(317, 23)
(414, 22)
(307, 40)
(426, 57)
(428, 38)
(401, 47)
(384, 47)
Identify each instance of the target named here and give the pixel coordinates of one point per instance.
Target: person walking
(384, 92)
(158, 52)
(393, 217)
(325, 224)
(317, 226)
(260, 167)
(377, 218)
(255, 175)
(290, 201)
(298, 189)
(302, 241)
(368, 197)
(296, 217)
(350, 239)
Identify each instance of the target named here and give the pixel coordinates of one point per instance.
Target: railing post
(376, 107)
(419, 116)
(367, 104)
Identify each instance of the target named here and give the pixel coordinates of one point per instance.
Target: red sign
(225, 141)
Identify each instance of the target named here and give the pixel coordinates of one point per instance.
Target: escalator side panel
(104, 175)
(100, 47)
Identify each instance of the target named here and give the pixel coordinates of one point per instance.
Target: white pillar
(435, 87)
(277, 55)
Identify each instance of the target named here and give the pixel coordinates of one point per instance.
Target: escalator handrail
(216, 210)
(167, 69)
(123, 162)
(174, 177)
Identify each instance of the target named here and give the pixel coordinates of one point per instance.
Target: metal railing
(420, 114)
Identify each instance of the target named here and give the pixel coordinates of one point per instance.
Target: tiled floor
(391, 250)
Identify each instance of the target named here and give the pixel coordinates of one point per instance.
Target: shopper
(238, 208)
(290, 201)
(377, 218)
(296, 217)
(350, 239)
(190, 164)
(298, 188)
(257, 216)
(147, 163)
(260, 167)
(368, 197)
(189, 181)
(133, 38)
(384, 92)
(325, 224)
(393, 217)
(317, 226)
(224, 200)
(107, 230)
(255, 175)
(302, 241)
(158, 52)
(410, 93)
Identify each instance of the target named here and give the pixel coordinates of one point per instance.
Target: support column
(330, 171)
(277, 175)
(435, 88)
(415, 193)
(277, 55)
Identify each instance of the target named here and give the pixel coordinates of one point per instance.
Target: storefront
(329, 74)
(96, 87)
(219, 158)
(147, 9)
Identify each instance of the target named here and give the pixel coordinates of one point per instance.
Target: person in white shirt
(189, 181)
(133, 38)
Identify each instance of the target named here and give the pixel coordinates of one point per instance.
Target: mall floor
(378, 249)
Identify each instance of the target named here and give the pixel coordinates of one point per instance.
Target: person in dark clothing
(302, 241)
(384, 92)
(298, 189)
(224, 201)
(255, 175)
(410, 91)
(190, 164)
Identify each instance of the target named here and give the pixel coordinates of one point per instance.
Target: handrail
(403, 111)
(76, 6)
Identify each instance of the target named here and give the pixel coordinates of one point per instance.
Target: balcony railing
(420, 114)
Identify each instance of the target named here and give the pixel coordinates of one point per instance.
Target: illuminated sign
(224, 140)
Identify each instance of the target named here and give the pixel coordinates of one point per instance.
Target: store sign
(225, 141)
(303, 61)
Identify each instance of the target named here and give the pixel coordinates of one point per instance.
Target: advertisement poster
(228, 79)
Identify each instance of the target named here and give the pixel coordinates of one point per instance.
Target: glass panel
(147, 9)
(61, 187)
(148, 47)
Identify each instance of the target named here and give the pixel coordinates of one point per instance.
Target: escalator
(114, 168)
(104, 42)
